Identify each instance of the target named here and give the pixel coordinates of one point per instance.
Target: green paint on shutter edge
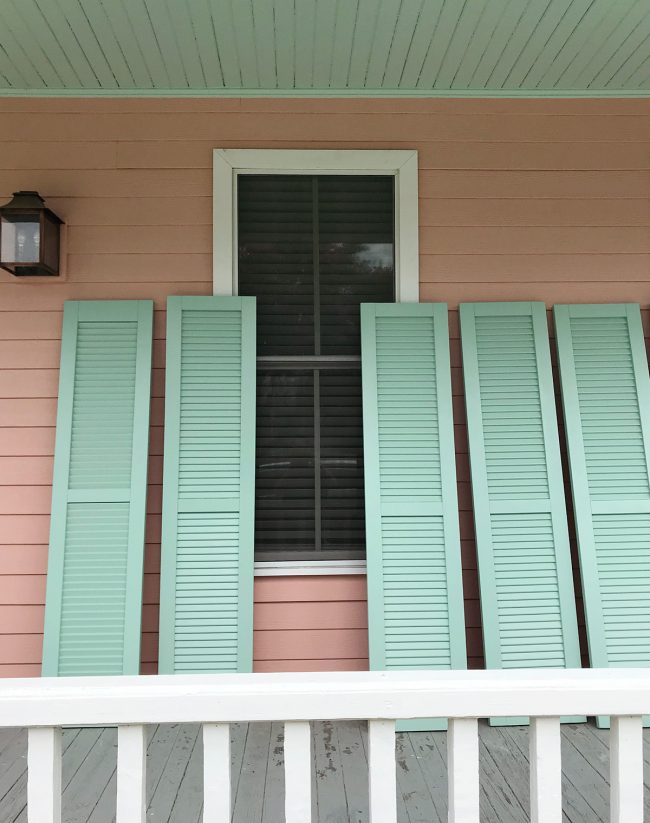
(100, 310)
(175, 308)
(478, 471)
(582, 504)
(376, 627)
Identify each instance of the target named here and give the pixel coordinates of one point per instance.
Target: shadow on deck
(339, 774)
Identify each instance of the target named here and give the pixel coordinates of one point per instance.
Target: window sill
(292, 568)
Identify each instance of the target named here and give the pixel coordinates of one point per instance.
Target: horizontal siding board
(433, 154)
(248, 126)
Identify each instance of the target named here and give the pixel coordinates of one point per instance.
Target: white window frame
(228, 164)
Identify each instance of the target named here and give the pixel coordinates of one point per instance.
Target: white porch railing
(44, 706)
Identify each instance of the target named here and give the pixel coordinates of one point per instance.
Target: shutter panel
(415, 593)
(524, 561)
(606, 397)
(94, 580)
(206, 598)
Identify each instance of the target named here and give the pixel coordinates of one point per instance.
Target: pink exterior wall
(543, 200)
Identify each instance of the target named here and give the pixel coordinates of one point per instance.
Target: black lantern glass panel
(29, 236)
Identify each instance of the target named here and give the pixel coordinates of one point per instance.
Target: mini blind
(312, 248)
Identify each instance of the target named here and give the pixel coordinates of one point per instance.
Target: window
(312, 234)
(312, 248)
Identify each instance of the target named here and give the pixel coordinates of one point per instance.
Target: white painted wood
(131, 774)
(216, 773)
(281, 568)
(402, 164)
(297, 772)
(463, 770)
(545, 770)
(44, 775)
(223, 222)
(282, 696)
(626, 769)
(382, 777)
(407, 225)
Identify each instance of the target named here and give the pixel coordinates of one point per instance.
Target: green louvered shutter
(94, 579)
(527, 597)
(606, 397)
(206, 590)
(415, 593)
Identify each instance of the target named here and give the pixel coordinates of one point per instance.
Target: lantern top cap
(27, 201)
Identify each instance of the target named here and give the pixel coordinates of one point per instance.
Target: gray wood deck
(339, 774)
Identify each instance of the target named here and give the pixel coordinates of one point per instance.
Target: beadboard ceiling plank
(383, 40)
(264, 33)
(284, 42)
(586, 30)
(620, 24)
(342, 49)
(83, 32)
(440, 42)
(455, 55)
(107, 33)
(306, 28)
(69, 45)
(553, 20)
(405, 28)
(226, 43)
(185, 33)
(362, 43)
(536, 65)
(30, 59)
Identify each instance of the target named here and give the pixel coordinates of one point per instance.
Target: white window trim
(228, 164)
(291, 568)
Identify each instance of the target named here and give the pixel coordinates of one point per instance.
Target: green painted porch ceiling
(332, 47)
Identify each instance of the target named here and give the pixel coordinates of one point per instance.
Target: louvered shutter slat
(95, 565)
(415, 596)
(606, 398)
(208, 497)
(527, 598)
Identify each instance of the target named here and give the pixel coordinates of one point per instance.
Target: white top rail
(97, 701)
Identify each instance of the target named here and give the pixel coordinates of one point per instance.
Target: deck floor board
(339, 774)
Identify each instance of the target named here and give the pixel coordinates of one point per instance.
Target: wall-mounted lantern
(29, 236)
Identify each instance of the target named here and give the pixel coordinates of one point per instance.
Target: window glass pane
(356, 255)
(311, 250)
(341, 460)
(276, 259)
(284, 483)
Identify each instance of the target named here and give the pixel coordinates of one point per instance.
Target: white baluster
(462, 771)
(626, 770)
(545, 770)
(297, 771)
(382, 771)
(131, 774)
(216, 773)
(44, 775)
